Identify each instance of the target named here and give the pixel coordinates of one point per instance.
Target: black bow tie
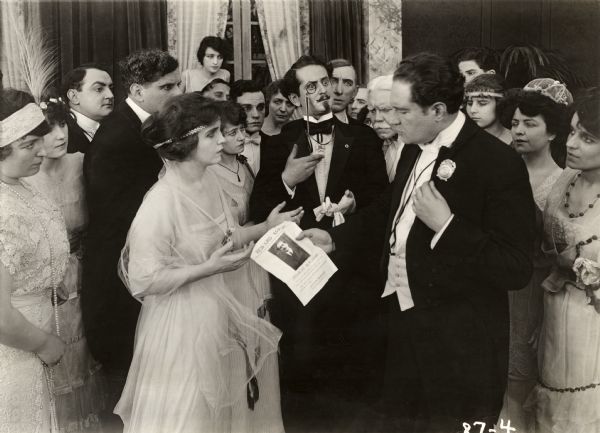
(325, 127)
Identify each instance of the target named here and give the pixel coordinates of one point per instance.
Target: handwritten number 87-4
(503, 427)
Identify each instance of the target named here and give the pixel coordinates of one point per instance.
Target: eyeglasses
(311, 86)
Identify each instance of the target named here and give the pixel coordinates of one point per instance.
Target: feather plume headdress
(36, 64)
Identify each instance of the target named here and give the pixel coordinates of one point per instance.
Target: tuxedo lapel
(449, 153)
(408, 157)
(342, 145)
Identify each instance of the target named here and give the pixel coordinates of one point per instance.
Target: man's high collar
(323, 118)
(342, 116)
(139, 111)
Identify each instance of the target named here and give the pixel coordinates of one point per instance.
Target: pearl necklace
(568, 195)
(49, 372)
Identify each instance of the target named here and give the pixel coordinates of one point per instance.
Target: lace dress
(34, 249)
(250, 285)
(567, 397)
(79, 388)
(526, 311)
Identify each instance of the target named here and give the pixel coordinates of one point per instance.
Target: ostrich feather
(37, 62)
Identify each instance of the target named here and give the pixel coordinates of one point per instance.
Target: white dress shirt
(342, 116)
(252, 151)
(397, 279)
(139, 111)
(87, 125)
(322, 168)
(392, 149)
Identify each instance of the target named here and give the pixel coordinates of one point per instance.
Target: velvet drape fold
(336, 32)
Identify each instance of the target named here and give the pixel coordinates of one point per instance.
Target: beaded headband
(187, 134)
(550, 88)
(18, 124)
(483, 95)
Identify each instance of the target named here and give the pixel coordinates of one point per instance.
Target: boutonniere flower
(446, 169)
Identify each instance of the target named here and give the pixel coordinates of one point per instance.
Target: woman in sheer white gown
(78, 382)
(567, 396)
(539, 123)
(193, 336)
(250, 283)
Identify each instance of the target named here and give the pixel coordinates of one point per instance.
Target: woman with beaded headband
(77, 380)
(567, 396)
(198, 351)
(538, 120)
(483, 96)
(34, 252)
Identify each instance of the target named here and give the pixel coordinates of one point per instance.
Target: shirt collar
(139, 112)
(90, 126)
(342, 116)
(323, 118)
(447, 136)
(253, 138)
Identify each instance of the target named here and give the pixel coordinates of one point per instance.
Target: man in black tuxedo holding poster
(454, 232)
(326, 344)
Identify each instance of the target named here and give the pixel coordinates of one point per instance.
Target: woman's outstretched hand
(276, 217)
(225, 259)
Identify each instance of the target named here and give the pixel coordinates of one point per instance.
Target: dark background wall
(570, 27)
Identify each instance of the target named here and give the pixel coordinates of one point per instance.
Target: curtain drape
(193, 21)
(280, 26)
(336, 31)
(21, 14)
(104, 31)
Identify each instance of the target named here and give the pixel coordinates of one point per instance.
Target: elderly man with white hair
(379, 110)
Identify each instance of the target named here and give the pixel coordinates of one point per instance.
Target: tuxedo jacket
(78, 141)
(357, 164)
(485, 250)
(119, 169)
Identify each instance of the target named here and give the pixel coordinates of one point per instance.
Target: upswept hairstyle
(221, 46)
(290, 83)
(239, 87)
(588, 110)
(56, 110)
(181, 114)
(232, 113)
(486, 58)
(11, 101)
(272, 89)
(556, 116)
(146, 66)
(74, 78)
(433, 79)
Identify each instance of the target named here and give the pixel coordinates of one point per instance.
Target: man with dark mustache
(318, 156)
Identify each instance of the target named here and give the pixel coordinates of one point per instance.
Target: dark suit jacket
(485, 251)
(78, 141)
(119, 169)
(313, 334)
(357, 164)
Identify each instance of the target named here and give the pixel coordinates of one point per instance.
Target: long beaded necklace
(48, 370)
(568, 195)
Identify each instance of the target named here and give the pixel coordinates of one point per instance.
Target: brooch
(446, 169)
